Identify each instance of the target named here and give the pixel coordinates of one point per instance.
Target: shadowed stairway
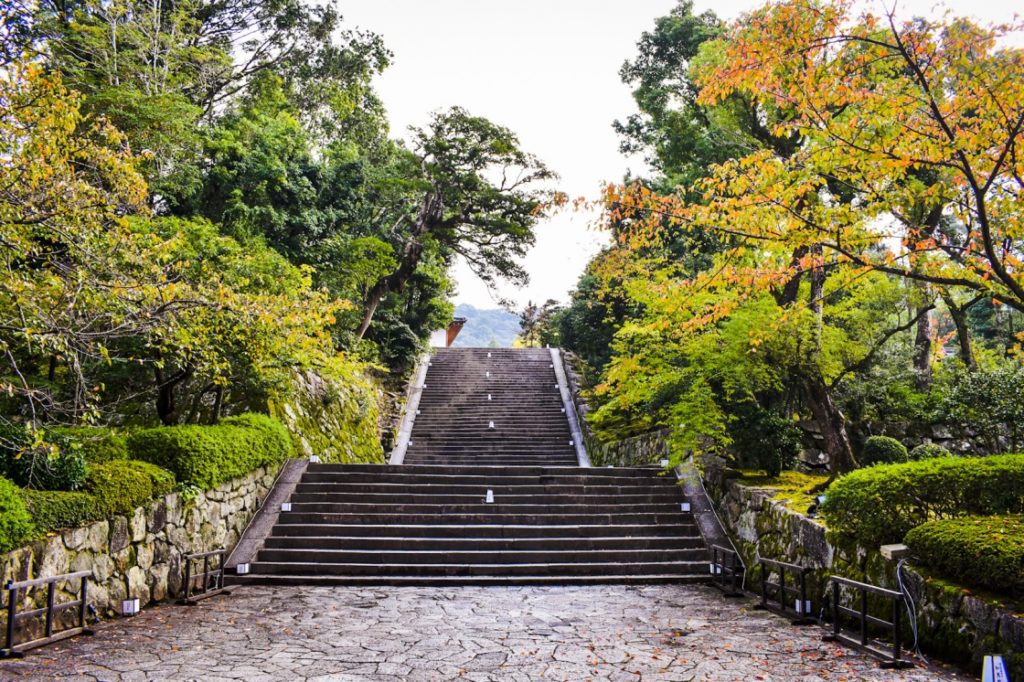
(489, 493)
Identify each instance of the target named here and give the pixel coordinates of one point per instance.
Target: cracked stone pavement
(348, 634)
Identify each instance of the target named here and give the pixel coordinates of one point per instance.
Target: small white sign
(490, 497)
(685, 506)
(242, 569)
(314, 459)
(286, 506)
(994, 670)
(664, 463)
(129, 607)
(490, 425)
(803, 609)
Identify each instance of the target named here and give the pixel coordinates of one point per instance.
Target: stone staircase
(491, 407)
(476, 505)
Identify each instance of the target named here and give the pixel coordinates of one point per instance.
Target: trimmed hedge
(883, 450)
(978, 551)
(55, 509)
(929, 451)
(15, 523)
(206, 456)
(881, 504)
(120, 487)
(117, 487)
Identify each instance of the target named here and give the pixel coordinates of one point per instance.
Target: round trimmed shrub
(977, 551)
(122, 486)
(16, 526)
(883, 450)
(880, 504)
(928, 451)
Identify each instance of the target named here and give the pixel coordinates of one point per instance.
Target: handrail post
(804, 611)
(220, 580)
(835, 609)
(206, 573)
(12, 612)
(764, 587)
(863, 617)
(83, 596)
(188, 578)
(897, 632)
(49, 609)
(782, 590)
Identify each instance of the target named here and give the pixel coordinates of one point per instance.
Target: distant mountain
(496, 328)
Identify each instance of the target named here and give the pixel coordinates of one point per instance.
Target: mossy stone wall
(336, 420)
(954, 624)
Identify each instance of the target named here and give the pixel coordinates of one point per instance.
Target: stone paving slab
(668, 633)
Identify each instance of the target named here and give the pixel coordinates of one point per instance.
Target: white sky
(547, 69)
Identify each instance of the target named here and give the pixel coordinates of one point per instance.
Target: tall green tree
(479, 198)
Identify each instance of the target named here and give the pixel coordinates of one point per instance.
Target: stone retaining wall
(954, 624)
(141, 555)
(642, 450)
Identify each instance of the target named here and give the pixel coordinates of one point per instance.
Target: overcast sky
(547, 69)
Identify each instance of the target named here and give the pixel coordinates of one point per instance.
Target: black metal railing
(726, 571)
(49, 612)
(206, 583)
(860, 638)
(783, 591)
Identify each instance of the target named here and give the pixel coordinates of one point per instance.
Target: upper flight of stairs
(495, 406)
(429, 522)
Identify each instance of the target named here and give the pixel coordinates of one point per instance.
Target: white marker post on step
(490, 425)
(490, 497)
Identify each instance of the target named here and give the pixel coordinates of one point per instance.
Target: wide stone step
(593, 519)
(481, 556)
(507, 477)
(575, 544)
(447, 581)
(539, 472)
(683, 527)
(500, 569)
(403, 491)
(420, 496)
(481, 508)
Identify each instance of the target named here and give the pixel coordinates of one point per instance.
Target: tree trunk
(430, 215)
(963, 331)
(826, 413)
(923, 351)
(166, 402)
(832, 424)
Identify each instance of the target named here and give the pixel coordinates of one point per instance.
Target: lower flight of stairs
(433, 525)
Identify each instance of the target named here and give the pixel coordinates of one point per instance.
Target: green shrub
(52, 463)
(206, 456)
(883, 450)
(764, 440)
(15, 523)
(55, 509)
(97, 444)
(120, 487)
(881, 503)
(978, 551)
(928, 451)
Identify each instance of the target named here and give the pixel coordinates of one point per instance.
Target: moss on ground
(794, 489)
